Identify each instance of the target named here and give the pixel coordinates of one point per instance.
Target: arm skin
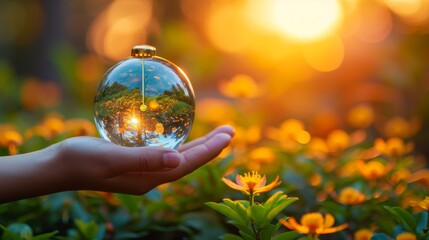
(86, 163)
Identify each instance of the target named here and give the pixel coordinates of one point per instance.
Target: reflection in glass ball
(144, 101)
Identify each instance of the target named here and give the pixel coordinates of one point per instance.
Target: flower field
(330, 116)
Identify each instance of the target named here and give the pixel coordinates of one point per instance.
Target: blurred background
(253, 63)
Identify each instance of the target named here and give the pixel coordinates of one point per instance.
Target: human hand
(87, 163)
(94, 164)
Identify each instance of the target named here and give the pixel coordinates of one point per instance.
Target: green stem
(252, 224)
(314, 236)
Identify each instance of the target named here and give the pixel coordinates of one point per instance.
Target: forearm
(29, 175)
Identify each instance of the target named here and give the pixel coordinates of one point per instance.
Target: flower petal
(334, 229)
(238, 180)
(261, 182)
(329, 220)
(270, 186)
(233, 185)
(293, 225)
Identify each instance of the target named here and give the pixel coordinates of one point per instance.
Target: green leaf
(227, 211)
(279, 207)
(268, 231)
(8, 234)
(273, 199)
(247, 235)
(229, 236)
(23, 231)
(229, 203)
(241, 211)
(286, 236)
(239, 208)
(131, 202)
(408, 218)
(89, 230)
(400, 217)
(45, 236)
(258, 215)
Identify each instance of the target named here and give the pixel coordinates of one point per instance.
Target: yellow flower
(425, 204)
(393, 147)
(351, 196)
(251, 183)
(240, 86)
(363, 234)
(406, 236)
(361, 116)
(314, 223)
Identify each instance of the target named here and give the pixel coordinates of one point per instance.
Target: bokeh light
(412, 11)
(117, 29)
(227, 29)
(325, 55)
(306, 19)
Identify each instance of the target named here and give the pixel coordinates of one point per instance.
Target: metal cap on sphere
(143, 51)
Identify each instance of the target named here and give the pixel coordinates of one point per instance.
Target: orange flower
(240, 86)
(79, 127)
(400, 127)
(372, 169)
(259, 157)
(393, 147)
(406, 236)
(315, 180)
(337, 141)
(251, 183)
(424, 205)
(421, 176)
(36, 93)
(291, 135)
(361, 116)
(10, 138)
(250, 135)
(314, 223)
(400, 175)
(51, 126)
(363, 234)
(351, 196)
(215, 111)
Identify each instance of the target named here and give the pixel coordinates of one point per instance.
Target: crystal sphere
(144, 100)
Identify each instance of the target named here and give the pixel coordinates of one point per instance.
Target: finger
(200, 154)
(222, 129)
(142, 159)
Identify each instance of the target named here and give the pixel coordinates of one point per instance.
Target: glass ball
(144, 100)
